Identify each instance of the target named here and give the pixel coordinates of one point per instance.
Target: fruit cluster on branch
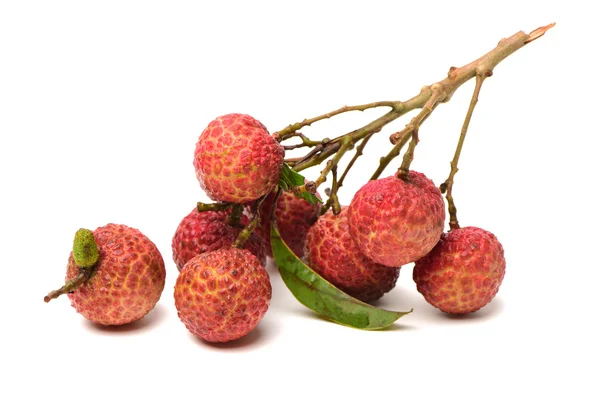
(335, 258)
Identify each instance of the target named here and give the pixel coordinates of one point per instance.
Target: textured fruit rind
(222, 295)
(236, 160)
(331, 252)
(127, 281)
(294, 218)
(201, 232)
(463, 272)
(395, 222)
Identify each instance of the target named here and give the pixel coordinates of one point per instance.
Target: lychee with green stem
(115, 275)
(237, 160)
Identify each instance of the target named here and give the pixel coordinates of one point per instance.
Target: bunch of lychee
(115, 274)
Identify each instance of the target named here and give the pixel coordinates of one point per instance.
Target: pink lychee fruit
(222, 295)
(126, 281)
(331, 252)
(395, 221)
(294, 217)
(201, 232)
(463, 272)
(236, 160)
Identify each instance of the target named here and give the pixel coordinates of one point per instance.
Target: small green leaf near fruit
(316, 293)
(290, 178)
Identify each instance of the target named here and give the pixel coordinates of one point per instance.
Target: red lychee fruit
(236, 160)
(294, 217)
(222, 295)
(201, 232)
(331, 252)
(396, 221)
(463, 272)
(126, 281)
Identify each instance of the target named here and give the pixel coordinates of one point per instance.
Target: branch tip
(539, 32)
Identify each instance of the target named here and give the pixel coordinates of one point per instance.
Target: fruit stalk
(254, 222)
(212, 206)
(306, 142)
(333, 201)
(71, 285)
(447, 185)
(291, 129)
(345, 146)
(234, 219)
(395, 152)
(429, 97)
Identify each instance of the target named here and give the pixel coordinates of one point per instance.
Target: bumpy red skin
(222, 295)
(236, 160)
(127, 281)
(201, 232)
(395, 222)
(331, 252)
(463, 272)
(294, 217)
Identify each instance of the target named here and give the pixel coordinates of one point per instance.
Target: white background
(100, 108)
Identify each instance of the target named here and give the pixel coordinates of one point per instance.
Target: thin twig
(235, 217)
(333, 200)
(71, 285)
(415, 123)
(447, 185)
(247, 231)
(444, 89)
(201, 207)
(306, 142)
(395, 152)
(290, 130)
(345, 145)
(409, 156)
(358, 153)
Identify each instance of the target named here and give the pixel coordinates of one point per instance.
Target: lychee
(331, 252)
(294, 217)
(124, 281)
(463, 272)
(236, 160)
(395, 221)
(223, 294)
(201, 232)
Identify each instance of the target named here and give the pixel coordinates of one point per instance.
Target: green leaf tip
(85, 249)
(316, 293)
(289, 179)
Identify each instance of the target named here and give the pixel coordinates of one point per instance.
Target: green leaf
(290, 178)
(311, 198)
(283, 184)
(322, 297)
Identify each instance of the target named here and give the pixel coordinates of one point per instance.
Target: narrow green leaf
(311, 198)
(289, 178)
(322, 297)
(283, 184)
